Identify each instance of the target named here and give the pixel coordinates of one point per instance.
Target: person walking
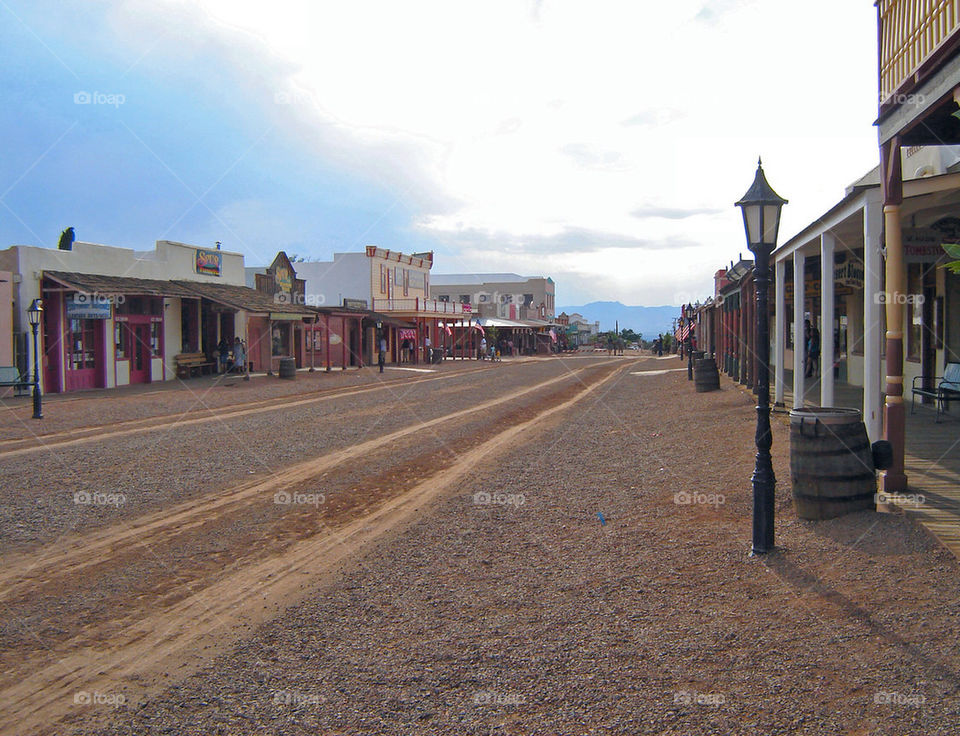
(813, 351)
(428, 349)
(483, 348)
(239, 356)
(223, 347)
(382, 352)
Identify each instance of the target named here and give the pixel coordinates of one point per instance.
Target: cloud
(590, 158)
(674, 213)
(569, 240)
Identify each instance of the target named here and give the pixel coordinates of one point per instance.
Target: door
(139, 337)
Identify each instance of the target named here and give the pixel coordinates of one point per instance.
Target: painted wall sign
(209, 262)
(284, 279)
(354, 303)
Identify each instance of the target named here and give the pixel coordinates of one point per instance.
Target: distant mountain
(648, 321)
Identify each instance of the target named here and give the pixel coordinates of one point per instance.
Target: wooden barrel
(288, 368)
(831, 463)
(705, 375)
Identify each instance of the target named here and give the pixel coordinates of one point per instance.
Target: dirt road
(231, 558)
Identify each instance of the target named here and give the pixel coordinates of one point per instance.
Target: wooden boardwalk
(933, 472)
(932, 462)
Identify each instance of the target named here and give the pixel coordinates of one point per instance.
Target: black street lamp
(34, 313)
(761, 220)
(689, 342)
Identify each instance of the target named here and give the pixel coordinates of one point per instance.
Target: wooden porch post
(894, 480)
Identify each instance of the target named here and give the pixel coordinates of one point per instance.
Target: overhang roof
(245, 298)
(89, 283)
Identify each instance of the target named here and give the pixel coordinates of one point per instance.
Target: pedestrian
(382, 352)
(428, 349)
(405, 351)
(239, 356)
(805, 347)
(223, 347)
(483, 348)
(813, 351)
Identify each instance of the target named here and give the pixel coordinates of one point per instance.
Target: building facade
(499, 295)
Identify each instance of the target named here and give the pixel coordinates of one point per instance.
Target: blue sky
(173, 154)
(601, 144)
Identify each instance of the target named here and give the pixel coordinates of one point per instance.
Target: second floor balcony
(916, 37)
(420, 306)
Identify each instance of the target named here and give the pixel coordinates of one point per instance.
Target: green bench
(946, 388)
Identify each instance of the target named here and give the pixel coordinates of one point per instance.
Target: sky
(601, 144)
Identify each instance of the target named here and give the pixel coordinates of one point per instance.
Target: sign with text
(209, 262)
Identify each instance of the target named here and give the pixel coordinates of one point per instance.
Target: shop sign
(849, 273)
(209, 262)
(81, 306)
(284, 279)
(354, 303)
(923, 245)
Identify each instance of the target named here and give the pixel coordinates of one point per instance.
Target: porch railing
(421, 306)
(911, 31)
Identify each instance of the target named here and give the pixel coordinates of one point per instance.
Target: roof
(90, 283)
(243, 297)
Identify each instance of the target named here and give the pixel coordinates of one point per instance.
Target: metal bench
(189, 364)
(10, 376)
(946, 388)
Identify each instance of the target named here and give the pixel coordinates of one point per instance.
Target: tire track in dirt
(96, 433)
(168, 640)
(19, 573)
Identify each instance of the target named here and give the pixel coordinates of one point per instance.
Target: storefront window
(281, 340)
(82, 349)
(121, 340)
(914, 310)
(156, 347)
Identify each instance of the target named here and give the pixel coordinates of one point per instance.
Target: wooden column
(872, 411)
(894, 480)
(827, 249)
(799, 290)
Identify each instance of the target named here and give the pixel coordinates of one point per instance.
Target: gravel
(540, 619)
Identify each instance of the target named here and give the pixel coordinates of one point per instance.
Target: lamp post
(689, 342)
(761, 220)
(34, 313)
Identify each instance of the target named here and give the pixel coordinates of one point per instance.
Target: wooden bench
(190, 364)
(946, 388)
(10, 376)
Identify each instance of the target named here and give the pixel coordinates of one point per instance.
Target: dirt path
(170, 639)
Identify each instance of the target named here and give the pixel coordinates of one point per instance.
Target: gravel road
(539, 617)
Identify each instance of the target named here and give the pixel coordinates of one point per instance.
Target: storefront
(105, 331)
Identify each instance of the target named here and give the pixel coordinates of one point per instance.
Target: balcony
(420, 306)
(915, 35)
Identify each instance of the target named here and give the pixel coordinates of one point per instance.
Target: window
(914, 310)
(528, 299)
(443, 298)
(120, 341)
(464, 298)
(156, 346)
(82, 348)
(281, 340)
(406, 282)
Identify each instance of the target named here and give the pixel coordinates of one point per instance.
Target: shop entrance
(139, 337)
